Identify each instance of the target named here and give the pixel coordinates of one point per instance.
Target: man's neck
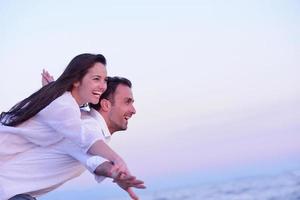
(110, 128)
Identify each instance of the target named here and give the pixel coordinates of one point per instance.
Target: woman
(52, 113)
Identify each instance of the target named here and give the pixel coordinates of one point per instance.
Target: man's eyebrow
(129, 99)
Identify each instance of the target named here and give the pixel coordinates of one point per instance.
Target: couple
(46, 139)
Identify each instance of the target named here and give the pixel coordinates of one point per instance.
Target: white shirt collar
(97, 116)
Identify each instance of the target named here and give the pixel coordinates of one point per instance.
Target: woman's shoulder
(65, 99)
(65, 102)
(65, 96)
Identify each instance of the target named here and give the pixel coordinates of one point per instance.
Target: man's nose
(133, 111)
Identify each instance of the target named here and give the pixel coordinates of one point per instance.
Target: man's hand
(127, 182)
(46, 77)
(107, 169)
(121, 166)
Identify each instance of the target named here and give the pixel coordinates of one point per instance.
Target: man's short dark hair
(112, 84)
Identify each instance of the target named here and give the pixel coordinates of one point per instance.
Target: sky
(216, 83)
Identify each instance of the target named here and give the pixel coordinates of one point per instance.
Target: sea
(283, 186)
(280, 187)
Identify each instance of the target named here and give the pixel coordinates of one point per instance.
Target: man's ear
(105, 104)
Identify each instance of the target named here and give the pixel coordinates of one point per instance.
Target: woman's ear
(105, 105)
(76, 84)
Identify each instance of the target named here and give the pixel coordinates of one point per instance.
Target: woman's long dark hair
(27, 108)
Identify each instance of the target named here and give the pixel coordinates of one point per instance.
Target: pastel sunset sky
(216, 83)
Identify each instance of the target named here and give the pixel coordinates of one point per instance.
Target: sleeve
(63, 116)
(90, 162)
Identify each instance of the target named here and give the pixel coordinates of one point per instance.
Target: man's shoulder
(93, 120)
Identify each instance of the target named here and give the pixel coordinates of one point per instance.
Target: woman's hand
(46, 77)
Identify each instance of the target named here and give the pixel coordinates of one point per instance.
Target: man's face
(121, 108)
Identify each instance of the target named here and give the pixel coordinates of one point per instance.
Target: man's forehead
(124, 91)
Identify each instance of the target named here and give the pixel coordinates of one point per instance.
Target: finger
(124, 176)
(132, 194)
(44, 76)
(118, 175)
(127, 178)
(47, 80)
(140, 186)
(51, 78)
(137, 182)
(47, 75)
(45, 72)
(132, 181)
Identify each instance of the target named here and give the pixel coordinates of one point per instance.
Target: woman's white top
(36, 157)
(60, 119)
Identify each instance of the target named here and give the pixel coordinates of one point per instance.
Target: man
(115, 106)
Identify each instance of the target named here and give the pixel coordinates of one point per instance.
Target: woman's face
(92, 85)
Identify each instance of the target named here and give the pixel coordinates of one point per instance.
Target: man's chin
(124, 128)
